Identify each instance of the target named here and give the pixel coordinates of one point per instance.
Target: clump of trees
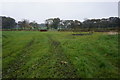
(112, 23)
(56, 23)
(52, 23)
(25, 24)
(8, 23)
(104, 24)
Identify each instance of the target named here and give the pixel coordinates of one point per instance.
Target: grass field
(34, 54)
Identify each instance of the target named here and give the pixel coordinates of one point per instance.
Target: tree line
(111, 23)
(10, 23)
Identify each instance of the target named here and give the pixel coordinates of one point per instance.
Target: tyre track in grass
(63, 66)
(12, 71)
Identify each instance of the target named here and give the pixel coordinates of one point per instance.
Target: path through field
(63, 66)
(32, 54)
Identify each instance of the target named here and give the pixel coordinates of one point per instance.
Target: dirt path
(63, 66)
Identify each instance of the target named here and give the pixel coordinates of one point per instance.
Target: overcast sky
(39, 11)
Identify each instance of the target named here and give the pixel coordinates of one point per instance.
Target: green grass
(33, 54)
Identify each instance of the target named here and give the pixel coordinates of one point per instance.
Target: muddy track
(63, 66)
(20, 60)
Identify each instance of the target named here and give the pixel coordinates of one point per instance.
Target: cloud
(39, 11)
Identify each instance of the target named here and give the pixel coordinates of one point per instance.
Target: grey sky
(39, 11)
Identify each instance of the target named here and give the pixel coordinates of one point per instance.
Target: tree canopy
(8, 22)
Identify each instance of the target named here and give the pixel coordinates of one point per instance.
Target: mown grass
(33, 54)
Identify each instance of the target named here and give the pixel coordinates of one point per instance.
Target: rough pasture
(35, 54)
